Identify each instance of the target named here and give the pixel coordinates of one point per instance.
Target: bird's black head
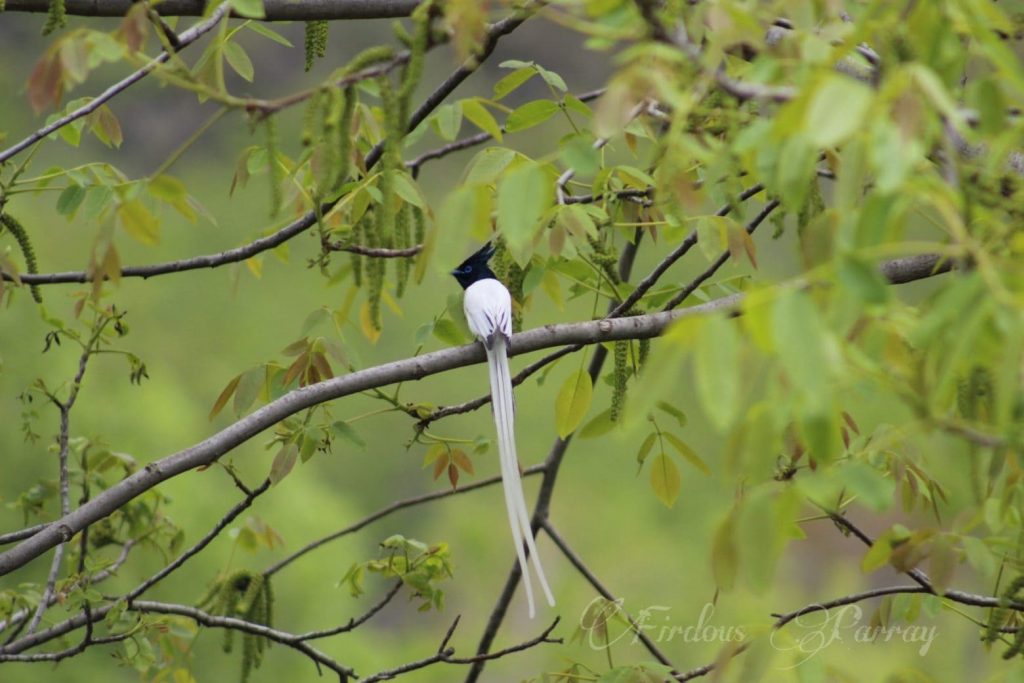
(475, 267)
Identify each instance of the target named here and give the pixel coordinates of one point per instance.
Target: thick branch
(276, 10)
(209, 450)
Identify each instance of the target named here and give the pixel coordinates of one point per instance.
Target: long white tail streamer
(515, 501)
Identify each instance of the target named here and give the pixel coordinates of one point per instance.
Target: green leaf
(167, 189)
(599, 426)
(268, 33)
(489, 164)
(573, 402)
(249, 386)
(283, 463)
(248, 8)
(139, 222)
(667, 407)
(724, 553)
(665, 479)
(448, 332)
(239, 60)
(688, 453)
(478, 114)
(513, 81)
(551, 78)
(346, 432)
(862, 280)
(530, 114)
(881, 550)
(70, 199)
(448, 120)
(800, 344)
(645, 448)
(524, 194)
(578, 153)
(717, 369)
(837, 110)
(408, 189)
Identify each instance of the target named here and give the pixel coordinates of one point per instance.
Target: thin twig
(375, 252)
(186, 38)
(922, 580)
(65, 478)
(446, 654)
(22, 534)
(307, 220)
(592, 579)
(696, 282)
(355, 622)
(785, 618)
(474, 140)
(387, 510)
(78, 621)
(98, 577)
(204, 618)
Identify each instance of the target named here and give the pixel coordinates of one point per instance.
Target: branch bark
(275, 10)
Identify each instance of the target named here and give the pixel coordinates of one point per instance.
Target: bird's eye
(466, 269)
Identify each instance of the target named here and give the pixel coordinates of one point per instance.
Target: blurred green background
(197, 330)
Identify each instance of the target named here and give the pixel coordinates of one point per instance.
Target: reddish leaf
(224, 396)
(46, 82)
(134, 27)
(453, 475)
(462, 460)
(440, 464)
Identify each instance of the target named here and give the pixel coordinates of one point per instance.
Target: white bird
(488, 307)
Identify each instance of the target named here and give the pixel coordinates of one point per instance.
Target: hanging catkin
(29, 254)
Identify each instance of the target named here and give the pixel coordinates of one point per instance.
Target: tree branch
(307, 220)
(446, 654)
(204, 618)
(65, 479)
(79, 620)
(384, 512)
(921, 578)
(375, 252)
(212, 448)
(474, 140)
(785, 618)
(275, 10)
(355, 622)
(592, 579)
(185, 39)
